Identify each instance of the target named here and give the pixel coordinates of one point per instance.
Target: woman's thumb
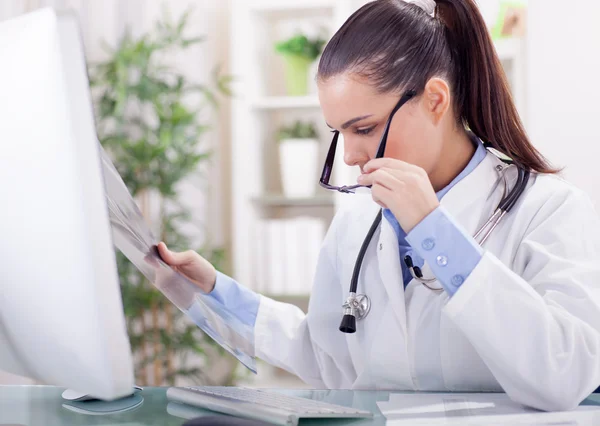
(171, 258)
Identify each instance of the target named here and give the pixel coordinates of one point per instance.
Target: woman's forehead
(344, 97)
(345, 86)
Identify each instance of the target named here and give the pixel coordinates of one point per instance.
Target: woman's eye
(364, 131)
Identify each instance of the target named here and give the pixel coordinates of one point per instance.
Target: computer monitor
(61, 313)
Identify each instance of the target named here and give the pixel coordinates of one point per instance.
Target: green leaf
(187, 42)
(183, 20)
(224, 85)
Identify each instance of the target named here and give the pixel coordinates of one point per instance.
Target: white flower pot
(298, 160)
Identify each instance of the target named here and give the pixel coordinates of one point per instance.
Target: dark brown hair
(397, 46)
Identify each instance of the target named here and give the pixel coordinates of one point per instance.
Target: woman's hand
(403, 188)
(189, 263)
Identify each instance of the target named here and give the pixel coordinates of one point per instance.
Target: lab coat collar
(469, 196)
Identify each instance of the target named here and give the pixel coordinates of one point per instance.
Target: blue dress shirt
(439, 241)
(239, 300)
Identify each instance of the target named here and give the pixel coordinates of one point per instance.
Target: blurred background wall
(563, 63)
(238, 200)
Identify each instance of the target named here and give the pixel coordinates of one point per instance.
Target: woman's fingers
(165, 254)
(173, 258)
(381, 195)
(390, 163)
(390, 178)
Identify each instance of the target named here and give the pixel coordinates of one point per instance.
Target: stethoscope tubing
(363, 250)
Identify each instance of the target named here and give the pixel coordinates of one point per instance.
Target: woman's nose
(353, 154)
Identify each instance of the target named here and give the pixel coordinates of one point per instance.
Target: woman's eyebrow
(352, 121)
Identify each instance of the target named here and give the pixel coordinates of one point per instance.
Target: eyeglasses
(328, 167)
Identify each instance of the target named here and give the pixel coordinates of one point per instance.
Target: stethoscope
(357, 306)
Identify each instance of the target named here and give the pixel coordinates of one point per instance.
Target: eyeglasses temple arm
(326, 174)
(404, 99)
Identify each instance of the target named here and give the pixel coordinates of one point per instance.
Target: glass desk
(43, 405)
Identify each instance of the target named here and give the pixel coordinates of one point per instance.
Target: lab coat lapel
(472, 200)
(388, 257)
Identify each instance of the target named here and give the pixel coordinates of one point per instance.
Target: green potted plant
(154, 139)
(298, 159)
(299, 52)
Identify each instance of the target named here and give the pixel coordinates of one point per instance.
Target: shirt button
(442, 260)
(457, 280)
(428, 244)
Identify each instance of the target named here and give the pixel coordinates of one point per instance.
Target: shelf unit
(278, 200)
(259, 106)
(278, 6)
(285, 102)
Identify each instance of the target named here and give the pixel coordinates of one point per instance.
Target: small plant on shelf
(298, 131)
(299, 53)
(298, 159)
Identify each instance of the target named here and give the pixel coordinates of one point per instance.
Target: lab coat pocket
(462, 367)
(386, 363)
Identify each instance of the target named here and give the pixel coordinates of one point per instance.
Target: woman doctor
(519, 313)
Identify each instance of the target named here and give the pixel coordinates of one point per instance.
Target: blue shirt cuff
(448, 250)
(239, 300)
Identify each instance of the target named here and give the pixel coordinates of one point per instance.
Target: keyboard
(271, 407)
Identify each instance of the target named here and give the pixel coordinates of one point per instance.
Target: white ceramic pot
(298, 160)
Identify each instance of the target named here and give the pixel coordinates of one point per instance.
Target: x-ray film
(135, 240)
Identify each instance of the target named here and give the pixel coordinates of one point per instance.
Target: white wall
(564, 88)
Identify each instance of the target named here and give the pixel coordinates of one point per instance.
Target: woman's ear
(436, 99)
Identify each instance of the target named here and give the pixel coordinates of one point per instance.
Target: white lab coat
(526, 321)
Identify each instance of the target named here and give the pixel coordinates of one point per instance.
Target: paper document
(477, 409)
(133, 237)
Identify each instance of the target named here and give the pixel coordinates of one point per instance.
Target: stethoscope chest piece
(357, 306)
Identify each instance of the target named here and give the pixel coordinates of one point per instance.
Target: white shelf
(255, 25)
(289, 5)
(276, 200)
(285, 102)
(509, 48)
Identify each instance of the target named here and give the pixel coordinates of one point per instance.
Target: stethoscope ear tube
(520, 186)
(505, 205)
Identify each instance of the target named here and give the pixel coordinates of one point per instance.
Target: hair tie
(427, 5)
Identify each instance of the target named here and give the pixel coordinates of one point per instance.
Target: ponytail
(483, 97)
(398, 45)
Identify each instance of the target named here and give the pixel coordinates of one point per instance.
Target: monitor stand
(84, 404)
